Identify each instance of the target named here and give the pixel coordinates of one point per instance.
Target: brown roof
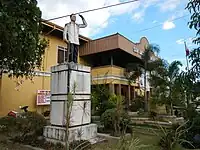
(113, 42)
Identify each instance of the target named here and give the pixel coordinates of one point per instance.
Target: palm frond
(174, 69)
(150, 50)
(132, 72)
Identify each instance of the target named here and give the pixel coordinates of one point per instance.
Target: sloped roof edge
(59, 28)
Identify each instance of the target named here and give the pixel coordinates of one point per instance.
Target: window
(62, 54)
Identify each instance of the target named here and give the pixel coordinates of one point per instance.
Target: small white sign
(43, 97)
(135, 49)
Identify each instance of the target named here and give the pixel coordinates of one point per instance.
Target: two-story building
(108, 57)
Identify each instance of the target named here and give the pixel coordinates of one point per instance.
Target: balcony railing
(108, 74)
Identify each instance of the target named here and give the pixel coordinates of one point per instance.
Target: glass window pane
(65, 56)
(60, 56)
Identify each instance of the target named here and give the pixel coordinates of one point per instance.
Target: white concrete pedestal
(79, 84)
(57, 134)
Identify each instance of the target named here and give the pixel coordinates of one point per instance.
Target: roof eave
(59, 28)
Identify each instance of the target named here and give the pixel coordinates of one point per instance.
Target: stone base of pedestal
(57, 134)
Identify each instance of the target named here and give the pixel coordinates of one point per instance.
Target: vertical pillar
(119, 89)
(133, 92)
(112, 88)
(111, 60)
(129, 94)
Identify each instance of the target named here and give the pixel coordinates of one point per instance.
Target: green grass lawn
(149, 139)
(111, 144)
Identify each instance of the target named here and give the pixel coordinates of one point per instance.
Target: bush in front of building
(28, 126)
(111, 123)
(137, 103)
(193, 133)
(100, 99)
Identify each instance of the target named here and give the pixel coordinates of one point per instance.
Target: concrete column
(119, 89)
(112, 88)
(111, 60)
(133, 92)
(129, 94)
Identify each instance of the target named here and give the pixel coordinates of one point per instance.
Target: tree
(21, 46)
(131, 73)
(149, 52)
(164, 80)
(194, 57)
(189, 79)
(194, 8)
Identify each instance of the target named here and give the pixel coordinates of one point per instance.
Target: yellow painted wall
(11, 99)
(50, 57)
(108, 81)
(107, 71)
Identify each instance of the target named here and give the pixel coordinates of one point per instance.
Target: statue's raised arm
(84, 22)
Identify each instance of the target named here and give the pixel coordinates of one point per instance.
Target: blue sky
(170, 41)
(129, 19)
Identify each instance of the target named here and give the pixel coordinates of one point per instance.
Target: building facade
(22, 92)
(107, 56)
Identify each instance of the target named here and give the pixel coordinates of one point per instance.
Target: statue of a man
(71, 35)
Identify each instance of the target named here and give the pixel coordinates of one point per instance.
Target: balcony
(109, 74)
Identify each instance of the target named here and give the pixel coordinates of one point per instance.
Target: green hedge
(29, 124)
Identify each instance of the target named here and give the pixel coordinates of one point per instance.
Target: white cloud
(138, 16)
(165, 5)
(169, 5)
(188, 41)
(97, 20)
(140, 13)
(167, 25)
(180, 41)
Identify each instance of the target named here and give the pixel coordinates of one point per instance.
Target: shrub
(166, 140)
(8, 124)
(137, 104)
(100, 99)
(193, 133)
(141, 112)
(171, 138)
(108, 119)
(152, 115)
(30, 124)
